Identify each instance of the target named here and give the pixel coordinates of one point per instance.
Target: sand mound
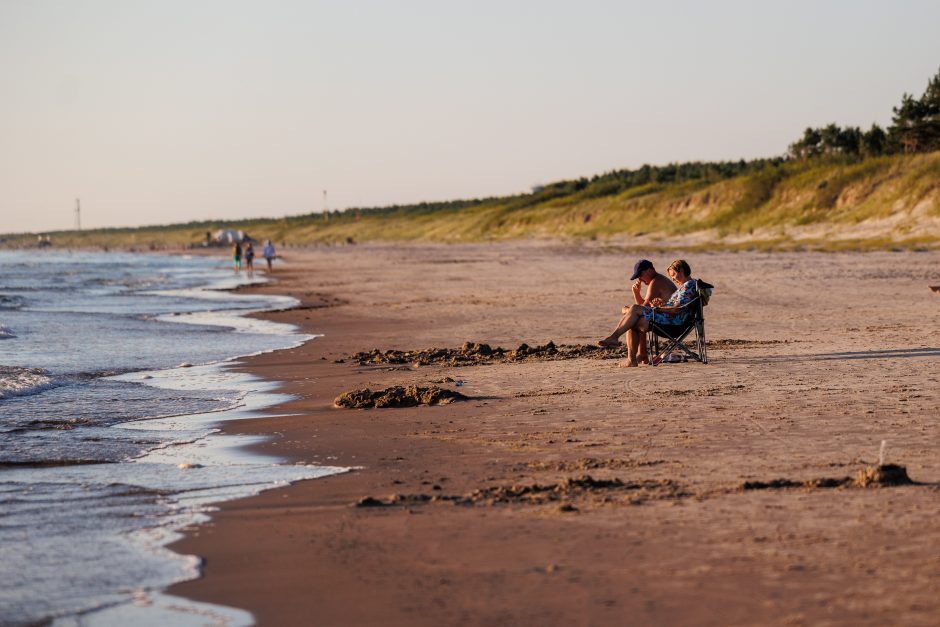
(886, 475)
(397, 396)
(471, 354)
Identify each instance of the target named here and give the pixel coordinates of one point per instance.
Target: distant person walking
(237, 256)
(249, 258)
(269, 253)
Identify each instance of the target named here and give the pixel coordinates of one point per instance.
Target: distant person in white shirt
(269, 253)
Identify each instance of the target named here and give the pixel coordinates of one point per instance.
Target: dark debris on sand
(588, 463)
(886, 475)
(735, 343)
(472, 354)
(779, 484)
(541, 494)
(397, 396)
(585, 489)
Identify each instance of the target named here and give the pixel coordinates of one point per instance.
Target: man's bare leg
(613, 339)
(630, 361)
(635, 339)
(643, 353)
(626, 323)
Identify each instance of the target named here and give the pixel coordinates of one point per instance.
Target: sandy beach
(572, 492)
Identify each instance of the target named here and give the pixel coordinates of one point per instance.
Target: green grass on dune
(735, 206)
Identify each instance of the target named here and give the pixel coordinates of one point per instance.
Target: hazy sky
(163, 111)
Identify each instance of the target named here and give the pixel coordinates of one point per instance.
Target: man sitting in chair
(658, 288)
(670, 312)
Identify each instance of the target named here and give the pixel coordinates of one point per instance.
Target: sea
(115, 373)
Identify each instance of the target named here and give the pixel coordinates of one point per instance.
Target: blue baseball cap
(641, 266)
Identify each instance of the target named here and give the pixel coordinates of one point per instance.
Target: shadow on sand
(887, 353)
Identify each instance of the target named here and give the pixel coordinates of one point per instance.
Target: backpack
(704, 291)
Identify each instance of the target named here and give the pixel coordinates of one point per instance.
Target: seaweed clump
(580, 487)
(397, 396)
(472, 354)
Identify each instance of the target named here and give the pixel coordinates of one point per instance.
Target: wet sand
(570, 491)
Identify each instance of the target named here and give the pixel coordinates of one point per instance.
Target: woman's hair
(681, 265)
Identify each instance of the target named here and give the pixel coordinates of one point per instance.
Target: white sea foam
(226, 470)
(16, 381)
(85, 544)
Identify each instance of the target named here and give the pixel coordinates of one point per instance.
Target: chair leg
(702, 347)
(677, 342)
(671, 344)
(652, 347)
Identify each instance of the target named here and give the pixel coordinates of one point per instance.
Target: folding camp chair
(674, 335)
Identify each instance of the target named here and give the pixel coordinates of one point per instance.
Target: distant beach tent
(230, 236)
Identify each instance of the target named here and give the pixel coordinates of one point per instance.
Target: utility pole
(78, 214)
(326, 207)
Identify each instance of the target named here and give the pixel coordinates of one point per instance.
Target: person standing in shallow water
(249, 258)
(237, 256)
(269, 254)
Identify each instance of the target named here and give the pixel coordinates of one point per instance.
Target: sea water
(114, 375)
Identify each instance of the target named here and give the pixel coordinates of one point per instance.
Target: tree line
(915, 127)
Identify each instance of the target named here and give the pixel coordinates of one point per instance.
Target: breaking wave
(15, 381)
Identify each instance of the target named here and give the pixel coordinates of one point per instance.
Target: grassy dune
(885, 202)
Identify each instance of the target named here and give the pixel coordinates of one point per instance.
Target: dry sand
(482, 511)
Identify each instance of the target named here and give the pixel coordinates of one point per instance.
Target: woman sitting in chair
(671, 312)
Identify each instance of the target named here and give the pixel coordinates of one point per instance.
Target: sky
(156, 112)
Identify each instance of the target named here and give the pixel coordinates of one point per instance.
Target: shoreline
(147, 460)
(248, 472)
(688, 546)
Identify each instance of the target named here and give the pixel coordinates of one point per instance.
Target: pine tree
(874, 141)
(916, 122)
